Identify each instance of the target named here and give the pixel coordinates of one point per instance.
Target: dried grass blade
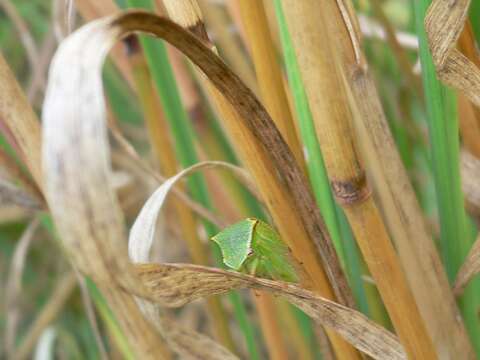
(21, 120)
(469, 269)
(166, 282)
(444, 24)
(93, 228)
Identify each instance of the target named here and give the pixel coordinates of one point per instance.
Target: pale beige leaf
(76, 160)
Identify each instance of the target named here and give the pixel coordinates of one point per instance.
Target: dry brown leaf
(174, 285)
(444, 23)
(77, 176)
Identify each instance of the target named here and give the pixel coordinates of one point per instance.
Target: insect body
(254, 247)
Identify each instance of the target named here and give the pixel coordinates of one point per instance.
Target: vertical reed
(333, 121)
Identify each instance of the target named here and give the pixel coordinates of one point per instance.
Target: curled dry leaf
(187, 343)
(444, 23)
(77, 185)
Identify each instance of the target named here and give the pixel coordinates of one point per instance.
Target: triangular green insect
(235, 242)
(254, 246)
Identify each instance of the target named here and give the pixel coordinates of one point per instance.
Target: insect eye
(250, 252)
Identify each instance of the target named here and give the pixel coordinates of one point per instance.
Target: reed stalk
(21, 120)
(269, 75)
(268, 316)
(264, 302)
(216, 20)
(272, 91)
(469, 114)
(341, 236)
(298, 330)
(402, 212)
(277, 198)
(333, 121)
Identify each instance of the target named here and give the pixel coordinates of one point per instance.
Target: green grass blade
(455, 229)
(475, 18)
